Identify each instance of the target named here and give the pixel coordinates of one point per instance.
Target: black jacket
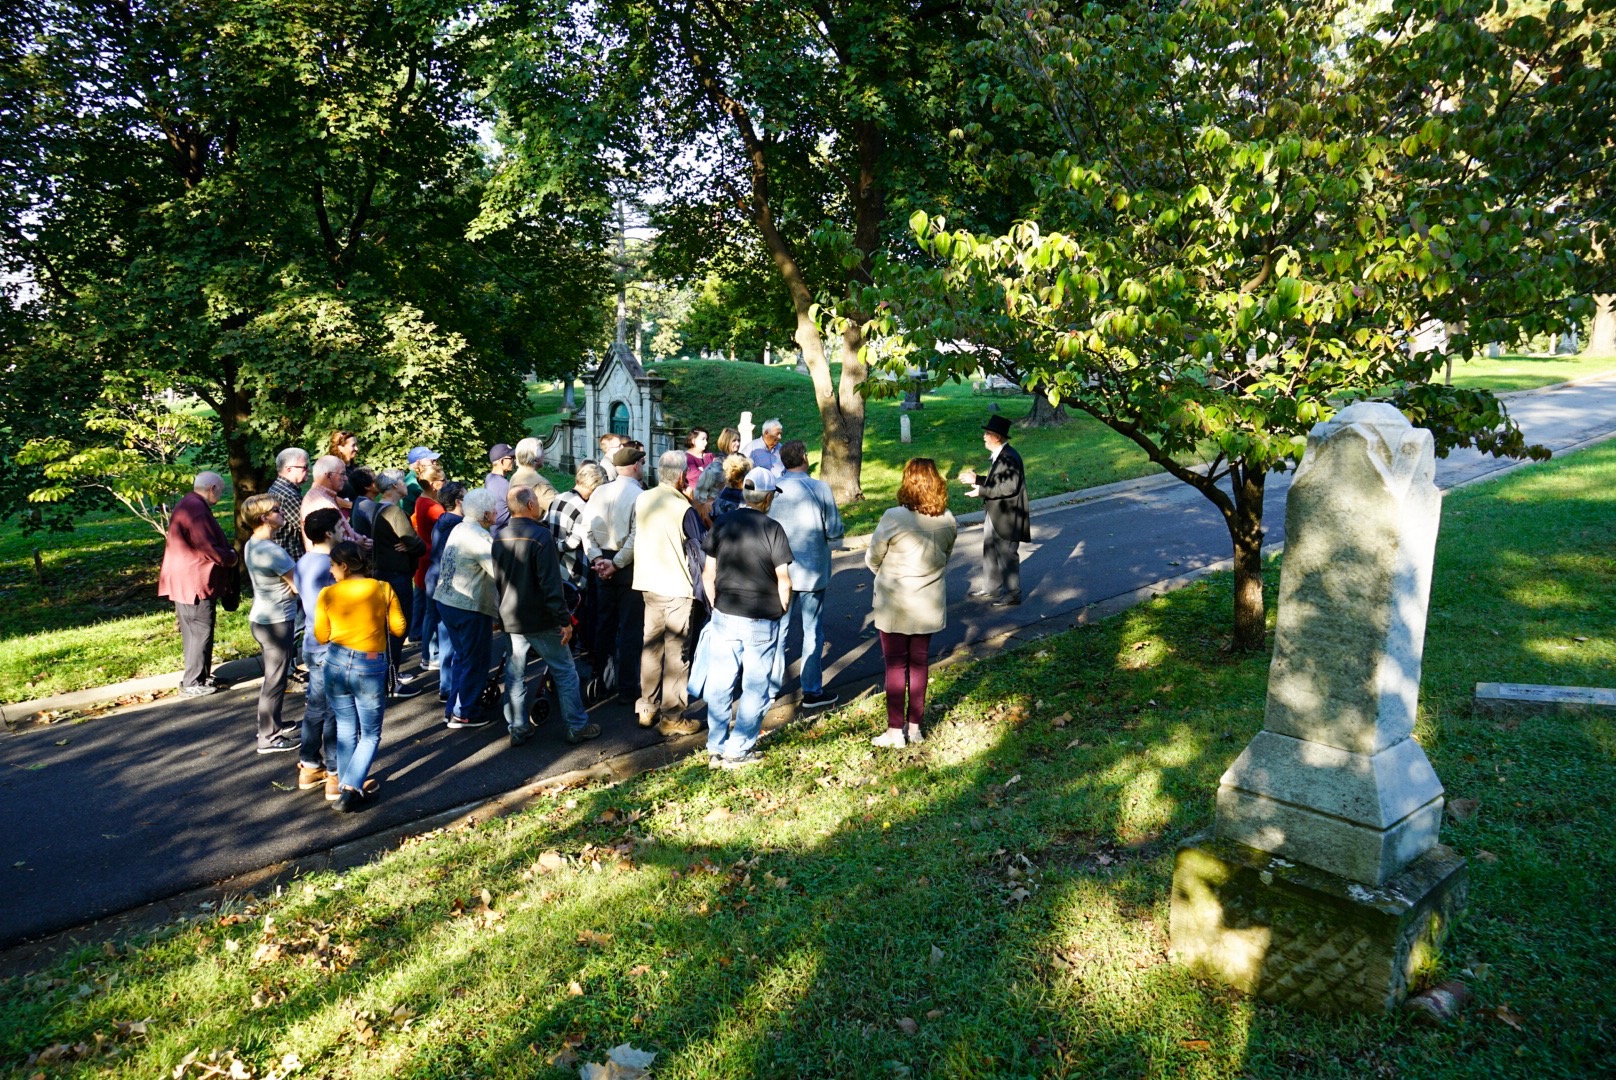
(388, 529)
(1004, 496)
(527, 573)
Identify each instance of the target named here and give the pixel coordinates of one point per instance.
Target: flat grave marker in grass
(1511, 699)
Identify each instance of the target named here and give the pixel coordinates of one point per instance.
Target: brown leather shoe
(333, 788)
(309, 777)
(646, 719)
(681, 726)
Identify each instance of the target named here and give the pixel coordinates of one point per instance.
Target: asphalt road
(120, 811)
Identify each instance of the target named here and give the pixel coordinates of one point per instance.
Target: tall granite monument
(1322, 883)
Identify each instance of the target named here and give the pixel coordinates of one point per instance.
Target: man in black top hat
(1006, 521)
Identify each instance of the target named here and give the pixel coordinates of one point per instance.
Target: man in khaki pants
(664, 521)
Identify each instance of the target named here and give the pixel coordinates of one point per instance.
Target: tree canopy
(292, 211)
(1257, 207)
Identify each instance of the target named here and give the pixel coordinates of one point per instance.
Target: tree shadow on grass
(1029, 843)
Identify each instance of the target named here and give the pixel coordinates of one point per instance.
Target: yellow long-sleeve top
(358, 614)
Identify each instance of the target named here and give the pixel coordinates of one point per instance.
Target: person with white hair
(196, 556)
(765, 449)
(330, 474)
(615, 658)
(664, 522)
(533, 611)
(806, 509)
(291, 471)
(529, 460)
(468, 603)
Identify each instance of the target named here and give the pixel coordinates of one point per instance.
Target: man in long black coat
(1007, 523)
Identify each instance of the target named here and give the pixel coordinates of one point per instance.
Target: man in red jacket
(194, 560)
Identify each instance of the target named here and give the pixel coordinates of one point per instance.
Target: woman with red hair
(909, 554)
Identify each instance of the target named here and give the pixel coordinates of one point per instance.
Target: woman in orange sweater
(352, 619)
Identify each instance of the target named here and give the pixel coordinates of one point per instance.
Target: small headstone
(802, 365)
(745, 428)
(1507, 699)
(1326, 835)
(911, 401)
(766, 354)
(1494, 350)
(993, 406)
(903, 428)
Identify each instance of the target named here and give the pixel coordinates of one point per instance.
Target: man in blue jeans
(806, 510)
(747, 575)
(533, 611)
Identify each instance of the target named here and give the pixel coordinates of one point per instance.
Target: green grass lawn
(992, 904)
(544, 408)
(1520, 372)
(1084, 453)
(95, 618)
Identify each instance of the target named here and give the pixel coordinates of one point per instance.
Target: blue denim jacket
(806, 510)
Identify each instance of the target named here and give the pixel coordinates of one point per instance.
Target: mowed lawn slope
(992, 904)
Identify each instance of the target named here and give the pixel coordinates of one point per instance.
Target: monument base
(1294, 934)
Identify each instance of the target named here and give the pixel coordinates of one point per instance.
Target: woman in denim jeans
(353, 618)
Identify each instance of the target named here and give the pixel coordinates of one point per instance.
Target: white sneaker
(912, 733)
(891, 738)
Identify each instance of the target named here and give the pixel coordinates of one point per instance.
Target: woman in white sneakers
(909, 554)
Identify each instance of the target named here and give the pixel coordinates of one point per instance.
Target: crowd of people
(673, 588)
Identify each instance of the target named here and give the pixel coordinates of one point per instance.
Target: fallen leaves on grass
(936, 956)
(1462, 810)
(1008, 712)
(1508, 1016)
(1486, 856)
(99, 1045)
(227, 1063)
(623, 1062)
(1200, 1045)
(908, 1026)
(548, 863)
(588, 938)
(716, 815)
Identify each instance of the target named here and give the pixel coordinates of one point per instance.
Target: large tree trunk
(246, 476)
(1602, 335)
(1044, 415)
(841, 409)
(1244, 520)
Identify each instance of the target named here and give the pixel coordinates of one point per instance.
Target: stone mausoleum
(619, 396)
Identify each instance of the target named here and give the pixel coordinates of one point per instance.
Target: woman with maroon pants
(909, 553)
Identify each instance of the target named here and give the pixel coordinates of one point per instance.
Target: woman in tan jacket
(909, 554)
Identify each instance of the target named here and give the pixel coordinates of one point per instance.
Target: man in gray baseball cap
(747, 575)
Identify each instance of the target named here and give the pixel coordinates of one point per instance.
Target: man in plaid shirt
(566, 522)
(291, 470)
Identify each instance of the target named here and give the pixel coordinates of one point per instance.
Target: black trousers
(196, 638)
(1001, 562)
(275, 639)
(619, 629)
